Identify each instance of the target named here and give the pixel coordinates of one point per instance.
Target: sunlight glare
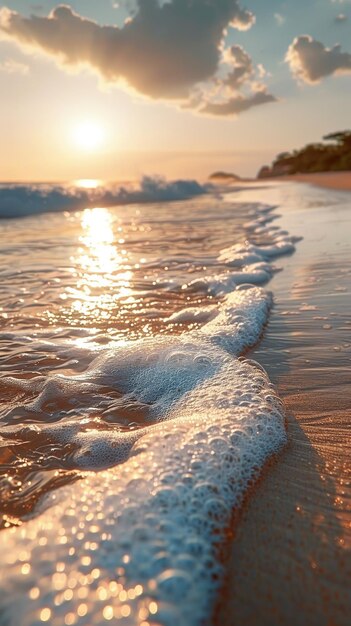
(88, 183)
(89, 135)
(103, 257)
(104, 272)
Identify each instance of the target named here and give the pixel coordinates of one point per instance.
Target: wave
(25, 200)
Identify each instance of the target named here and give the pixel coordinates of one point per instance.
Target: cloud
(238, 104)
(162, 51)
(170, 50)
(280, 19)
(311, 61)
(9, 66)
(243, 68)
(239, 90)
(341, 18)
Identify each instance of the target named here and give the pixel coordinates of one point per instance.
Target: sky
(114, 90)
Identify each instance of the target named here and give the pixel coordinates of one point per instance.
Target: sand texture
(290, 560)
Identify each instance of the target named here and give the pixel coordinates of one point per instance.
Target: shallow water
(122, 332)
(75, 284)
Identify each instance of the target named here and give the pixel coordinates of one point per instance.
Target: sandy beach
(340, 181)
(290, 559)
(328, 180)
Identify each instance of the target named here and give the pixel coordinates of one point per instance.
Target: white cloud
(10, 66)
(341, 18)
(280, 19)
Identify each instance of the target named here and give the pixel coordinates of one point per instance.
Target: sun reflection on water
(103, 273)
(88, 183)
(101, 257)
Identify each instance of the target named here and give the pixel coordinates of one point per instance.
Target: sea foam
(140, 541)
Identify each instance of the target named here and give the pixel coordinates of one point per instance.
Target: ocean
(133, 421)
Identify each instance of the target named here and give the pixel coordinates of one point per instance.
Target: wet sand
(290, 559)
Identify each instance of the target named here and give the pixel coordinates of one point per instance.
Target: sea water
(132, 425)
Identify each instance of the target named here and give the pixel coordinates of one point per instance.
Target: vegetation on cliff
(226, 176)
(334, 154)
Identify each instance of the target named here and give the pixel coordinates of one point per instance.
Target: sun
(89, 135)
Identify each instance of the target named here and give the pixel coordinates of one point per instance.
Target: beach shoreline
(327, 180)
(340, 181)
(289, 558)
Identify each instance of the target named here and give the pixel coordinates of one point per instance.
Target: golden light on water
(88, 183)
(101, 256)
(103, 273)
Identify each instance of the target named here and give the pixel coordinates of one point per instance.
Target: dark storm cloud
(311, 61)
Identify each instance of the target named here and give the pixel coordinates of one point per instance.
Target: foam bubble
(196, 315)
(221, 284)
(243, 255)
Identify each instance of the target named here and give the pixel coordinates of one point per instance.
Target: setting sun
(88, 135)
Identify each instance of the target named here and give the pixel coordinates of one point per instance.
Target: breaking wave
(25, 200)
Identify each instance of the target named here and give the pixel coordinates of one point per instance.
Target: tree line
(333, 155)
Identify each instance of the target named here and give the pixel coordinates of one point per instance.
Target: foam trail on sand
(252, 264)
(128, 538)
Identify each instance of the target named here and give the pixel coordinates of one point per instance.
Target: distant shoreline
(340, 181)
(329, 180)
